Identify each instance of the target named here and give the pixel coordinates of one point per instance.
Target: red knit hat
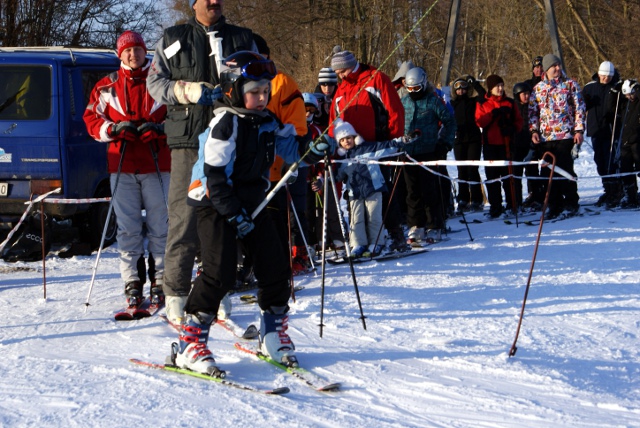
(129, 39)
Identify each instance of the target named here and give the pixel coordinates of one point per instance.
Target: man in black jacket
(599, 129)
(184, 76)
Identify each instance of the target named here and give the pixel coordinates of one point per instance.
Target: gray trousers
(182, 239)
(135, 192)
(365, 220)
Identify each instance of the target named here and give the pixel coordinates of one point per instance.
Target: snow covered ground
(434, 354)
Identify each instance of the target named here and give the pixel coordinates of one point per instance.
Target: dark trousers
(494, 192)
(423, 192)
(219, 254)
(563, 191)
(630, 162)
(469, 192)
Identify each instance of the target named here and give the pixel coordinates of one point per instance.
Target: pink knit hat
(128, 39)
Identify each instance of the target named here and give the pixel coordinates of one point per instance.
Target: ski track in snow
(434, 354)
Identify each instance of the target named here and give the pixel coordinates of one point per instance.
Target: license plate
(4, 189)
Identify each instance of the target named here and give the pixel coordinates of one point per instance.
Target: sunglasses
(414, 88)
(257, 70)
(460, 84)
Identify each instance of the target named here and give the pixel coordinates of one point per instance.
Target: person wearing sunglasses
(425, 111)
(183, 77)
(466, 93)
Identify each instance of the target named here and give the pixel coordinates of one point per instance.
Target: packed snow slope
(435, 352)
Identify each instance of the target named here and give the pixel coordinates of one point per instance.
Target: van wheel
(97, 218)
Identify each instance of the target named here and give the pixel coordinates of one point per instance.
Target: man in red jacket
(122, 114)
(367, 99)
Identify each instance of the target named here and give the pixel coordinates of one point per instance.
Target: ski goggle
(416, 88)
(460, 84)
(257, 70)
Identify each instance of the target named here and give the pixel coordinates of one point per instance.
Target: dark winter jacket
(523, 137)
(628, 120)
(464, 108)
(363, 180)
(234, 158)
(431, 116)
(191, 63)
(594, 94)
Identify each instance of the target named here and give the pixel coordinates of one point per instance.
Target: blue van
(44, 143)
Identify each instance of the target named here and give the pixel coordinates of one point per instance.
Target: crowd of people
(198, 135)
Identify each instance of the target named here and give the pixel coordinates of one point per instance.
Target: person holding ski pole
(183, 76)
(556, 122)
(628, 137)
(122, 113)
(228, 185)
(599, 124)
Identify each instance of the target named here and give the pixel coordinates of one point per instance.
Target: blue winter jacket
(428, 114)
(361, 179)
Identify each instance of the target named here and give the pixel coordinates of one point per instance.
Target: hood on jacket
(402, 71)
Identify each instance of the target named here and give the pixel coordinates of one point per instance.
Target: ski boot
(133, 291)
(274, 340)
(156, 295)
(175, 309)
(224, 311)
(192, 352)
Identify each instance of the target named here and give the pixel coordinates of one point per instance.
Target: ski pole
(396, 179)
(304, 238)
(154, 154)
(514, 348)
(106, 226)
(464, 218)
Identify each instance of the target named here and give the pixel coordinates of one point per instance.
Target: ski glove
(575, 151)
(318, 148)
(125, 131)
(242, 222)
(409, 138)
(150, 131)
(209, 95)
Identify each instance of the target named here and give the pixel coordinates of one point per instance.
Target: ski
(134, 312)
(394, 256)
(308, 378)
(344, 260)
(474, 221)
(249, 334)
(220, 380)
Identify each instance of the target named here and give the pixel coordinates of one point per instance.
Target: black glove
(470, 79)
(496, 112)
(618, 86)
(442, 149)
(242, 222)
(506, 111)
(126, 131)
(150, 131)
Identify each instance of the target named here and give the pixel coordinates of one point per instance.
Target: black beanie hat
(493, 81)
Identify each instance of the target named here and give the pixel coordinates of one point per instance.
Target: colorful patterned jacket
(556, 109)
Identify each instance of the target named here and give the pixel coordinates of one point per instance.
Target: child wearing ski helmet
(365, 185)
(229, 183)
(627, 142)
(525, 150)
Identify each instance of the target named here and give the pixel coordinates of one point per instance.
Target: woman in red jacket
(122, 113)
(500, 120)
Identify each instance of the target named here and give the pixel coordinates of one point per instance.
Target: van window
(25, 92)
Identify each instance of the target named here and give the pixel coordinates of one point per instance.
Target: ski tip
(278, 391)
(332, 387)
